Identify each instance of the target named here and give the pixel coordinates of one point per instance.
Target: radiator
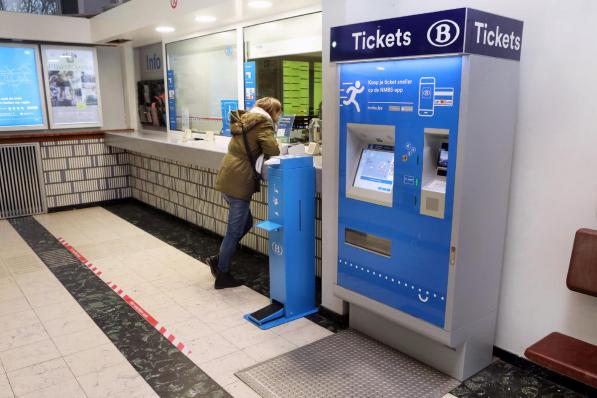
(22, 189)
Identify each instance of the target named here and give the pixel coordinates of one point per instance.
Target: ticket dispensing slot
(370, 162)
(369, 242)
(435, 169)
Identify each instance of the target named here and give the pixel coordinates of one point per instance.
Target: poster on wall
(72, 86)
(172, 100)
(227, 107)
(21, 98)
(250, 84)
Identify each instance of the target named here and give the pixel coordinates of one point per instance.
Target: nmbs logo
(443, 33)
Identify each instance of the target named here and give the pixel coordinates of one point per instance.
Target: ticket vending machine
(426, 133)
(291, 228)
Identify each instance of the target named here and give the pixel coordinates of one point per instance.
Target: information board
(317, 88)
(285, 126)
(227, 106)
(72, 86)
(171, 84)
(296, 87)
(21, 103)
(250, 84)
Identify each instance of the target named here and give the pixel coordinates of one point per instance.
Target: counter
(170, 146)
(179, 176)
(54, 135)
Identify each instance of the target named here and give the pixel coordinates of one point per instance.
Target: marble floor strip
(162, 366)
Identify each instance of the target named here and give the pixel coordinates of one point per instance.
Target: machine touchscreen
(376, 170)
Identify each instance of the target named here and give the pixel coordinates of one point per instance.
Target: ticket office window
(204, 77)
(286, 58)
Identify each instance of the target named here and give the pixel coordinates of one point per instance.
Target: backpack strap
(252, 160)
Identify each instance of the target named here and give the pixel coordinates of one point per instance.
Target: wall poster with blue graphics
(412, 98)
(21, 103)
(171, 84)
(227, 107)
(250, 84)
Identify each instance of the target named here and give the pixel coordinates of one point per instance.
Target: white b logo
(443, 33)
(277, 249)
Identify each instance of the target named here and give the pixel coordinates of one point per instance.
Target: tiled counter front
(78, 172)
(188, 192)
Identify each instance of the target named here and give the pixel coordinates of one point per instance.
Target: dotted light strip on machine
(391, 279)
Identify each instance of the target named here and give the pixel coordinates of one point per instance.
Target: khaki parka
(235, 177)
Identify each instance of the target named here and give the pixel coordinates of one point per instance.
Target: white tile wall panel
(74, 175)
(53, 164)
(80, 162)
(67, 200)
(80, 150)
(52, 177)
(59, 189)
(118, 182)
(80, 171)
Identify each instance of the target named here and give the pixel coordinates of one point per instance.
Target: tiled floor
(50, 347)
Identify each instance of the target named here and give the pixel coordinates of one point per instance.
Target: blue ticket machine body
(426, 130)
(291, 227)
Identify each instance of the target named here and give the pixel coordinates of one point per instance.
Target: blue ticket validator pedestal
(291, 227)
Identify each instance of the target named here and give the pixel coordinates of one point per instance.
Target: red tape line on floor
(130, 301)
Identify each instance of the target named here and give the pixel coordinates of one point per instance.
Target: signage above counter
(462, 30)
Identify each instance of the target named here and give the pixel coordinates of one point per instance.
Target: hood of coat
(241, 118)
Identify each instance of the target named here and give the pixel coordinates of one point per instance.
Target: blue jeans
(240, 221)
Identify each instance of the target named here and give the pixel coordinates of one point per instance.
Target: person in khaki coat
(236, 178)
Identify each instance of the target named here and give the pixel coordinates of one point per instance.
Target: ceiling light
(165, 29)
(260, 4)
(205, 18)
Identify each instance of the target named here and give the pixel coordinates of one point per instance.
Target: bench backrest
(582, 273)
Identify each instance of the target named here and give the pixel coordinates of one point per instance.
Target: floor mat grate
(347, 364)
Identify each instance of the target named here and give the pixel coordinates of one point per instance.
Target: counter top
(207, 154)
(54, 135)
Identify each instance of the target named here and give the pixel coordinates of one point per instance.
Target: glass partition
(283, 60)
(202, 81)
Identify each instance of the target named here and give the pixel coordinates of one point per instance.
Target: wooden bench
(563, 354)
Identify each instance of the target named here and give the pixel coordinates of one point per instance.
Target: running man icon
(353, 91)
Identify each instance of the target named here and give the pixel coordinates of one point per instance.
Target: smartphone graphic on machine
(426, 94)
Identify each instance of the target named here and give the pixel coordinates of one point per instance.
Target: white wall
(554, 186)
(111, 88)
(15, 25)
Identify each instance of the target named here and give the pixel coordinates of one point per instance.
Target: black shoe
(213, 264)
(225, 280)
